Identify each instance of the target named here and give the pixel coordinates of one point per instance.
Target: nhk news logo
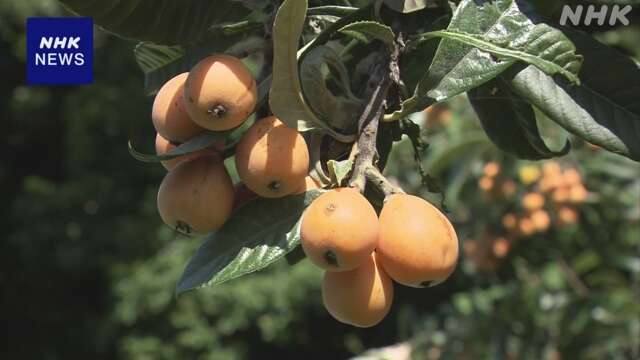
(59, 51)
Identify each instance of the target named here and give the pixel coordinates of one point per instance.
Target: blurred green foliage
(88, 271)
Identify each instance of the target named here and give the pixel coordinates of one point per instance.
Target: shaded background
(88, 270)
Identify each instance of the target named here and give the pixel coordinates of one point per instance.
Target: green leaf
(285, 97)
(483, 41)
(604, 109)
(257, 235)
(510, 122)
(162, 22)
(339, 112)
(159, 63)
(263, 91)
(463, 303)
(362, 13)
(546, 57)
(200, 142)
(552, 277)
(331, 10)
(407, 6)
(339, 170)
(412, 63)
(591, 113)
(151, 57)
(367, 31)
(586, 261)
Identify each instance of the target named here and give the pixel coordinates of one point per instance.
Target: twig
(380, 82)
(381, 182)
(394, 67)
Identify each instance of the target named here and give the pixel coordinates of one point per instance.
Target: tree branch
(381, 182)
(368, 122)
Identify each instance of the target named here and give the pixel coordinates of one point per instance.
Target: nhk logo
(59, 51)
(615, 14)
(57, 58)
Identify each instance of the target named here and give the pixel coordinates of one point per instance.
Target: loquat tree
(333, 87)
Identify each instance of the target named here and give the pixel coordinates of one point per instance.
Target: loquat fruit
(508, 188)
(418, 246)
(529, 174)
(526, 227)
(272, 159)
(532, 201)
(500, 247)
(548, 183)
(551, 168)
(567, 215)
(561, 195)
(541, 220)
(571, 177)
(220, 93)
(169, 115)
(578, 194)
(509, 221)
(196, 196)
(361, 297)
(339, 230)
(491, 169)
(437, 115)
(486, 184)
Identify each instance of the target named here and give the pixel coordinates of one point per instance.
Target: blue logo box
(59, 50)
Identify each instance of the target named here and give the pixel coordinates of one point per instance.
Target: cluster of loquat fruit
(411, 241)
(197, 194)
(552, 196)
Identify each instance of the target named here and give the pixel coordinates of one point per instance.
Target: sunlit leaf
(483, 41)
(285, 98)
(604, 109)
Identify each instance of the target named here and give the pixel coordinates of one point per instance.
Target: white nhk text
(46, 58)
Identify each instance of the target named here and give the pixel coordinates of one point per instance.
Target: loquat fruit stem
(368, 122)
(381, 182)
